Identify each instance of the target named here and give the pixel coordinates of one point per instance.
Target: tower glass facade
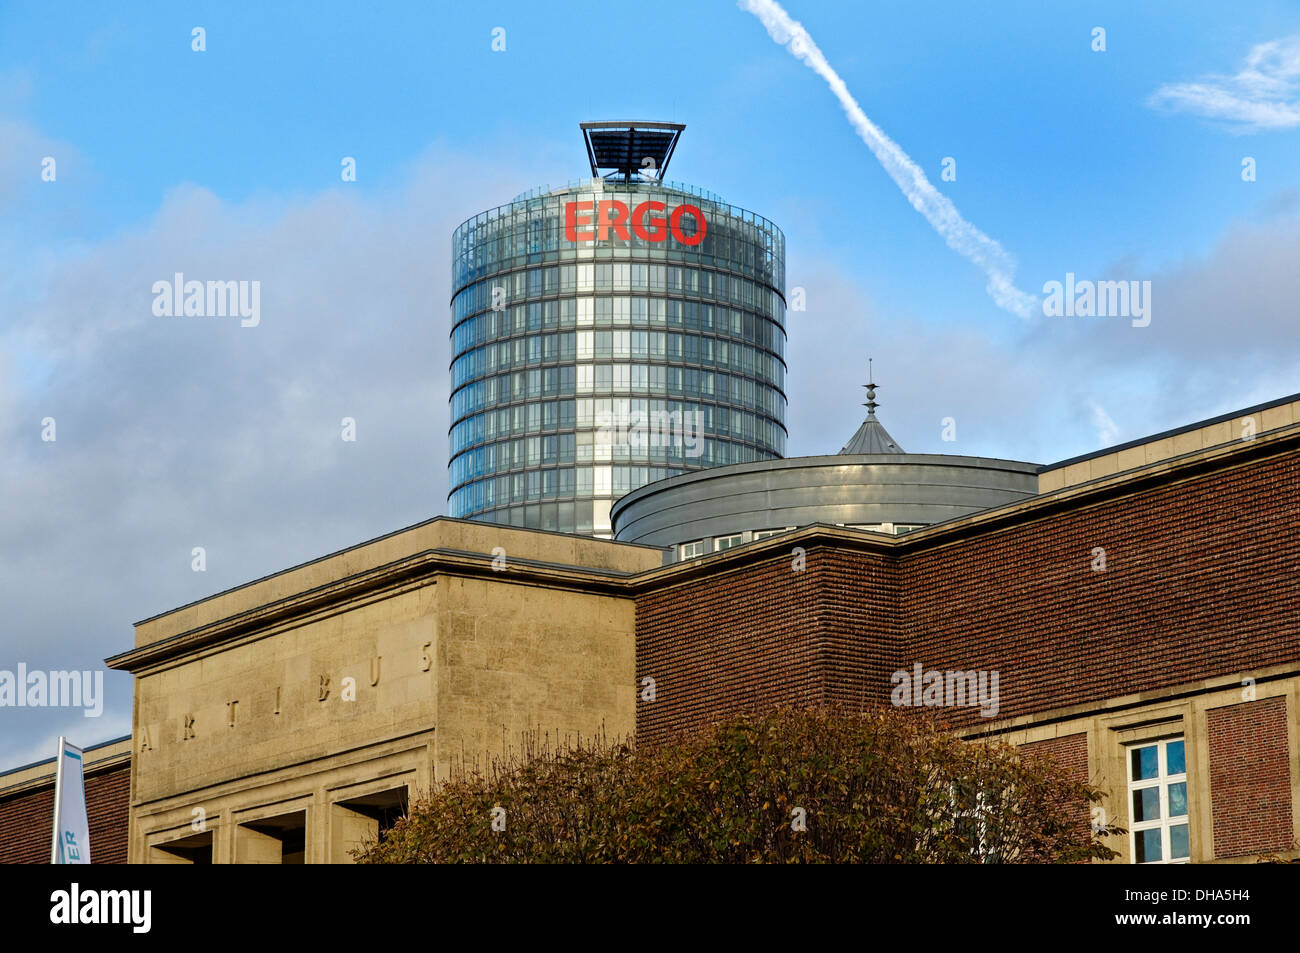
(584, 369)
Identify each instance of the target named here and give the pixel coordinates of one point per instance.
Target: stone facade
(290, 719)
(285, 719)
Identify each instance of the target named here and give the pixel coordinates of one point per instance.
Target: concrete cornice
(364, 544)
(99, 758)
(411, 572)
(1119, 703)
(1078, 496)
(1174, 432)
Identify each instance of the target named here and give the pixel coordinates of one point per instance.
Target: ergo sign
(611, 215)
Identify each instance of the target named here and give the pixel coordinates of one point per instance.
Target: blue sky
(228, 159)
(1057, 152)
(1059, 157)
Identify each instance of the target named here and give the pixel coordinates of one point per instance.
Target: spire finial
(871, 403)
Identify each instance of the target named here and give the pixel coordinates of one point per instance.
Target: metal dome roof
(871, 437)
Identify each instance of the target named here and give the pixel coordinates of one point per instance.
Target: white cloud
(961, 236)
(77, 729)
(1107, 429)
(182, 432)
(1264, 94)
(1224, 337)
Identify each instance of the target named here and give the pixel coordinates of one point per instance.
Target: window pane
(1146, 804)
(1178, 799)
(1175, 756)
(1178, 842)
(1145, 764)
(1147, 845)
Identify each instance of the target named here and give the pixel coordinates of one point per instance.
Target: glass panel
(1145, 764)
(1147, 846)
(1178, 799)
(1178, 842)
(1146, 804)
(1174, 755)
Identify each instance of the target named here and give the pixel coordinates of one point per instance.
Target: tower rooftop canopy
(621, 148)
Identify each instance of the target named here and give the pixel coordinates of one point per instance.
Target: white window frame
(1162, 782)
(977, 816)
(732, 540)
(693, 550)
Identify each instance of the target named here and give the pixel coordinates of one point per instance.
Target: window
(692, 550)
(193, 849)
(765, 533)
(727, 542)
(359, 820)
(974, 820)
(1157, 785)
(272, 840)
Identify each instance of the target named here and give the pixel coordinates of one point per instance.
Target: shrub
(792, 786)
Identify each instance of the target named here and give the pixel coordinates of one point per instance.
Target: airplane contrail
(961, 236)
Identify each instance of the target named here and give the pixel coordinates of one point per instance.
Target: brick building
(27, 806)
(1135, 617)
(1141, 613)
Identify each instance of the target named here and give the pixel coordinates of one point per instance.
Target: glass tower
(609, 334)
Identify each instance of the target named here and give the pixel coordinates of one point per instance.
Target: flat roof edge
(1165, 434)
(36, 764)
(377, 539)
(826, 460)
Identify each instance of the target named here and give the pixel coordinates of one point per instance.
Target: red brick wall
(1250, 778)
(1199, 581)
(858, 611)
(27, 820)
(1071, 752)
(764, 636)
